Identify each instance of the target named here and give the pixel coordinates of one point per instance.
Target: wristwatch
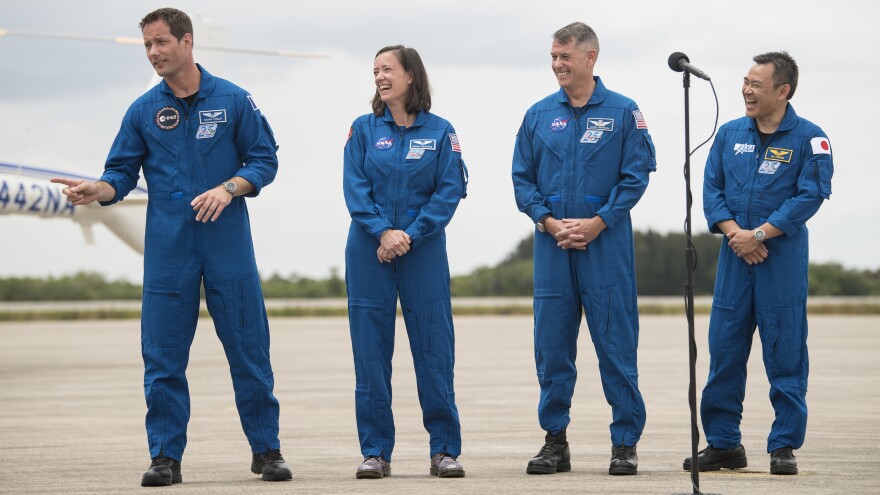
(230, 187)
(759, 235)
(540, 223)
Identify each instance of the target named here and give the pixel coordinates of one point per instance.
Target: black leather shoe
(712, 459)
(163, 472)
(272, 466)
(553, 457)
(783, 461)
(623, 460)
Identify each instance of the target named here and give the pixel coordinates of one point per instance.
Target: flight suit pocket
(824, 171)
(462, 168)
(549, 304)
(366, 317)
(651, 152)
(161, 309)
(785, 343)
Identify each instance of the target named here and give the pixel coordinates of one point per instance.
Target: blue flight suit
(409, 179)
(185, 151)
(578, 163)
(782, 182)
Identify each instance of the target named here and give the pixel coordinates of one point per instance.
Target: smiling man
(203, 145)
(766, 175)
(581, 163)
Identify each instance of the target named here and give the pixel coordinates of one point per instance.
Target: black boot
(783, 461)
(163, 472)
(553, 457)
(623, 460)
(272, 466)
(712, 459)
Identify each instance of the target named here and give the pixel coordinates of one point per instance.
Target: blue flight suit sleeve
(122, 168)
(529, 199)
(451, 180)
(813, 187)
(637, 161)
(356, 186)
(714, 205)
(256, 144)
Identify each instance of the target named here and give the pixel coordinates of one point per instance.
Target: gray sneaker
(444, 465)
(373, 467)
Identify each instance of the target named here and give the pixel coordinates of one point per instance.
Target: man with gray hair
(580, 164)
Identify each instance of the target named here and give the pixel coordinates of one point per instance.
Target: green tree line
(660, 268)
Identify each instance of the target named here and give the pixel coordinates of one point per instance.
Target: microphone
(679, 62)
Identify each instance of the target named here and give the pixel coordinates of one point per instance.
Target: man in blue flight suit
(581, 163)
(766, 175)
(202, 144)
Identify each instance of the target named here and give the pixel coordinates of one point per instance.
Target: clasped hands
(575, 233)
(393, 243)
(745, 246)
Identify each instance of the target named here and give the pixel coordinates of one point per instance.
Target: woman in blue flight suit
(403, 178)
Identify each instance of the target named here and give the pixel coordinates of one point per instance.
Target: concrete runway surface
(72, 413)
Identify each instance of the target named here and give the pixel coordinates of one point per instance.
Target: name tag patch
(592, 137)
(206, 131)
(778, 155)
(600, 124)
(212, 116)
(422, 144)
(768, 167)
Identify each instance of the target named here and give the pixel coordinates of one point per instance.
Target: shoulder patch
(821, 146)
(640, 120)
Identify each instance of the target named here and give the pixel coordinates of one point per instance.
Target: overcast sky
(62, 101)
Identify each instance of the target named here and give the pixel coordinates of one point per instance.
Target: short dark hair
(419, 97)
(786, 69)
(582, 34)
(177, 21)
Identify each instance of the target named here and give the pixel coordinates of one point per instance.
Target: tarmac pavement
(72, 413)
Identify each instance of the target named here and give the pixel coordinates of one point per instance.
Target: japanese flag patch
(821, 146)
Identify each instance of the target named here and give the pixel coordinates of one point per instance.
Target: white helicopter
(26, 190)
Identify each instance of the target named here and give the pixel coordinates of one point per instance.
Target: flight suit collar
(600, 93)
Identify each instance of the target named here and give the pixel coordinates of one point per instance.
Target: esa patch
(592, 137)
(423, 144)
(253, 103)
(600, 124)
(778, 155)
(212, 116)
(206, 131)
(384, 143)
(821, 146)
(558, 125)
(769, 167)
(739, 148)
(415, 154)
(167, 118)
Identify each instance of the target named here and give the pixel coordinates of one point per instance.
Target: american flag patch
(640, 120)
(453, 139)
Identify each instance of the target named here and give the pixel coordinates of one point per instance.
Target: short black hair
(786, 69)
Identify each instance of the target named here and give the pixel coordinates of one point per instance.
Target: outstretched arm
(82, 192)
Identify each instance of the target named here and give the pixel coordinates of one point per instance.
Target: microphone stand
(690, 261)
